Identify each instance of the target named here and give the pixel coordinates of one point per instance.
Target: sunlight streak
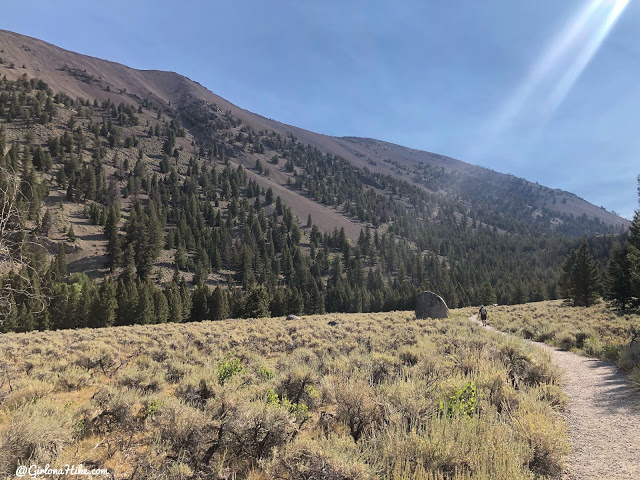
(597, 29)
(555, 74)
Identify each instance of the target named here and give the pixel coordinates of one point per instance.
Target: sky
(544, 90)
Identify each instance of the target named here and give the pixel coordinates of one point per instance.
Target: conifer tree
(580, 279)
(218, 304)
(105, 309)
(256, 303)
(619, 277)
(114, 252)
(200, 303)
(161, 306)
(175, 303)
(60, 263)
(145, 308)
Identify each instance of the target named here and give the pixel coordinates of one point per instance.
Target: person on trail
(483, 315)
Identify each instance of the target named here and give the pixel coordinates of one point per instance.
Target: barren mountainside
(87, 77)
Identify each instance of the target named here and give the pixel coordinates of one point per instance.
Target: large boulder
(430, 305)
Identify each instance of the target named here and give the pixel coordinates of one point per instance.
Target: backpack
(483, 311)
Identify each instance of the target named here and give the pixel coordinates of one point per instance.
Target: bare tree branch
(14, 245)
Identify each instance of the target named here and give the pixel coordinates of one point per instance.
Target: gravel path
(603, 416)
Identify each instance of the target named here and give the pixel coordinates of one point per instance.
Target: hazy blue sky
(517, 86)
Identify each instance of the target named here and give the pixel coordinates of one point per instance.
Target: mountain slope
(140, 177)
(87, 77)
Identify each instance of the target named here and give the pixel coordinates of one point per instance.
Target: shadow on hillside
(92, 266)
(91, 237)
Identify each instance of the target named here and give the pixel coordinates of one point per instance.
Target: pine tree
(10, 320)
(579, 280)
(295, 302)
(200, 304)
(218, 305)
(175, 303)
(60, 264)
(47, 221)
(623, 273)
(106, 307)
(71, 236)
(114, 252)
(146, 308)
(633, 255)
(161, 306)
(256, 304)
(619, 277)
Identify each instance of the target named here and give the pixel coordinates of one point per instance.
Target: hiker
(483, 315)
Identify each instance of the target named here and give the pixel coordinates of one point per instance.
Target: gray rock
(430, 305)
(292, 317)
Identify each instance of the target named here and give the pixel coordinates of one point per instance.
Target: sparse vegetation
(376, 396)
(595, 331)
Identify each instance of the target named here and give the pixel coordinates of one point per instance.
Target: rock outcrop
(430, 305)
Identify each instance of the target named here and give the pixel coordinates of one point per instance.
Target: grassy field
(369, 396)
(594, 331)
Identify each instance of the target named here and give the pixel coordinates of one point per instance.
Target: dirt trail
(603, 417)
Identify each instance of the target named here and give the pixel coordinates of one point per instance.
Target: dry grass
(377, 396)
(595, 331)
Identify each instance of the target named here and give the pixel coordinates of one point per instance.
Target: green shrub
(461, 401)
(228, 367)
(593, 347)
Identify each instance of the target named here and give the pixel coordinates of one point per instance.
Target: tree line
(244, 252)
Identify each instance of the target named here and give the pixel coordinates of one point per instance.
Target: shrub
(144, 379)
(306, 460)
(177, 370)
(195, 389)
(297, 385)
(228, 367)
(356, 407)
(593, 347)
(36, 434)
(184, 428)
(629, 356)
(461, 401)
(73, 378)
(409, 404)
(383, 367)
(257, 429)
(544, 432)
(117, 408)
(25, 391)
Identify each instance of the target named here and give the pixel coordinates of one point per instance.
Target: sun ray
(601, 23)
(554, 75)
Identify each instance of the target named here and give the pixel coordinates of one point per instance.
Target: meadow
(348, 396)
(595, 331)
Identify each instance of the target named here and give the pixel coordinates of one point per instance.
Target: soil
(603, 416)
